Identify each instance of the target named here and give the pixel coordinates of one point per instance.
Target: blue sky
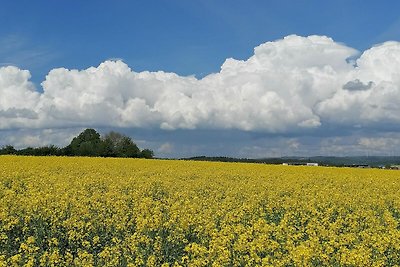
(195, 38)
(185, 37)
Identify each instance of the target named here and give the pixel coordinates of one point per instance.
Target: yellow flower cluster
(58, 211)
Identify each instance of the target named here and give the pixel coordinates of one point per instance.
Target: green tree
(87, 143)
(119, 145)
(147, 154)
(8, 150)
(111, 144)
(128, 149)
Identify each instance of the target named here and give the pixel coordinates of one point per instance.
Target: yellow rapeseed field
(57, 211)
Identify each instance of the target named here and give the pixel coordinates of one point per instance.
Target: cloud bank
(296, 84)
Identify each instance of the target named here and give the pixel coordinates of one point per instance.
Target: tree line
(87, 143)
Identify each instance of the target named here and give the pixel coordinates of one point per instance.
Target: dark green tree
(128, 149)
(87, 143)
(50, 150)
(29, 151)
(119, 145)
(111, 144)
(147, 154)
(8, 150)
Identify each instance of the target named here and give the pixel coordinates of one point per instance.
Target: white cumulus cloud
(290, 85)
(18, 98)
(377, 73)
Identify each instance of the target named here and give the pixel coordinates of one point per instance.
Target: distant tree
(128, 149)
(147, 154)
(112, 142)
(49, 150)
(66, 151)
(8, 150)
(119, 145)
(29, 151)
(87, 143)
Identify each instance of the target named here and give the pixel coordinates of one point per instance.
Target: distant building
(300, 164)
(362, 166)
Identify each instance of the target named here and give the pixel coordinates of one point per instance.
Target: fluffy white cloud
(289, 85)
(382, 143)
(166, 148)
(277, 88)
(18, 98)
(23, 138)
(374, 95)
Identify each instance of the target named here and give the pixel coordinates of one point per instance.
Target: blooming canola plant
(60, 211)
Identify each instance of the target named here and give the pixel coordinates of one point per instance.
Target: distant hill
(373, 161)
